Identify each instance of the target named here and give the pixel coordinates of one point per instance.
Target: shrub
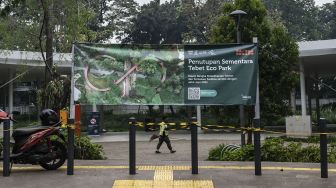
(245, 153)
(84, 149)
(214, 153)
(328, 112)
(277, 150)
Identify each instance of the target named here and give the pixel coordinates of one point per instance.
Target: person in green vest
(164, 137)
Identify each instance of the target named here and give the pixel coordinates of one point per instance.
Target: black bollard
(132, 154)
(323, 149)
(257, 152)
(71, 146)
(6, 148)
(242, 122)
(194, 146)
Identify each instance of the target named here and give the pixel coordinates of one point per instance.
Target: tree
(204, 14)
(327, 20)
(278, 54)
(121, 13)
(55, 26)
(158, 24)
(300, 17)
(177, 21)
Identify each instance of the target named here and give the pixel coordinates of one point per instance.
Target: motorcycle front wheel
(59, 159)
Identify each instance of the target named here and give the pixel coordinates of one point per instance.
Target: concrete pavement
(176, 135)
(218, 174)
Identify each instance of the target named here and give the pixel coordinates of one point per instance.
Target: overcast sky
(318, 2)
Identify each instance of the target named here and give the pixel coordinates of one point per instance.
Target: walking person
(164, 137)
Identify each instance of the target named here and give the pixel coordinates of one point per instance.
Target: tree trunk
(172, 110)
(161, 110)
(48, 29)
(150, 110)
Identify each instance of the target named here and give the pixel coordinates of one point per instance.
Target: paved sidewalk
(102, 174)
(176, 135)
(151, 168)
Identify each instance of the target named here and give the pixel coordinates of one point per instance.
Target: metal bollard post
(132, 148)
(323, 148)
(194, 146)
(71, 147)
(242, 122)
(257, 152)
(6, 148)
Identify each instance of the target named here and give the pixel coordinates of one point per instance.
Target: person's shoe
(172, 151)
(157, 151)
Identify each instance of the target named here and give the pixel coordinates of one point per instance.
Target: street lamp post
(237, 14)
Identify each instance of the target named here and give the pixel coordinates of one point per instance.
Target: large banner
(124, 74)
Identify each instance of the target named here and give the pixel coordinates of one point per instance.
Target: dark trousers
(164, 139)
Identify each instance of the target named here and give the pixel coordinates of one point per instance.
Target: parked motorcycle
(41, 145)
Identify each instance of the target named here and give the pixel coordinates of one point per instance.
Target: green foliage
(158, 24)
(149, 65)
(55, 95)
(86, 150)
(278, 54)
(329, 113)
(215, 153)
(277, 150)
(156, 74)
(243, 154)
(299, 16)
(73, 21)
(310, 139)
(327, 20)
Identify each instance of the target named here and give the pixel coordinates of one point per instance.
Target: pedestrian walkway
(171, 170)
(163, 179)
(174, 135)
(89, 174)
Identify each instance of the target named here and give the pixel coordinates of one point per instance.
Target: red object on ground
(78, 119)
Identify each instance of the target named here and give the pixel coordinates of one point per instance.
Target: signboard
(116, 74)
(298, 126)
(93, 119)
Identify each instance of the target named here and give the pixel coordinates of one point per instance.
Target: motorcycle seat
(27, 131)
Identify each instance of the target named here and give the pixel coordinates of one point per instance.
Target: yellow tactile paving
(163, 175)
(164, 167)
(181, 167)
(183, 184)
(163, 179)
(143, 183)
(163, 183)
(123, 184)
(203, 184)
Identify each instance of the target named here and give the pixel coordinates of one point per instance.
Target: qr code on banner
(194, 93)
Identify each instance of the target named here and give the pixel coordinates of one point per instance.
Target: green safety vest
(163, 127)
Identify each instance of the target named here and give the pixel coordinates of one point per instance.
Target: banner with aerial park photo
(126, 74)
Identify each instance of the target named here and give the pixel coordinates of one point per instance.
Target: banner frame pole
(257, 122)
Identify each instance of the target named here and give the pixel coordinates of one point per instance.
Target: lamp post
(237, 14)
